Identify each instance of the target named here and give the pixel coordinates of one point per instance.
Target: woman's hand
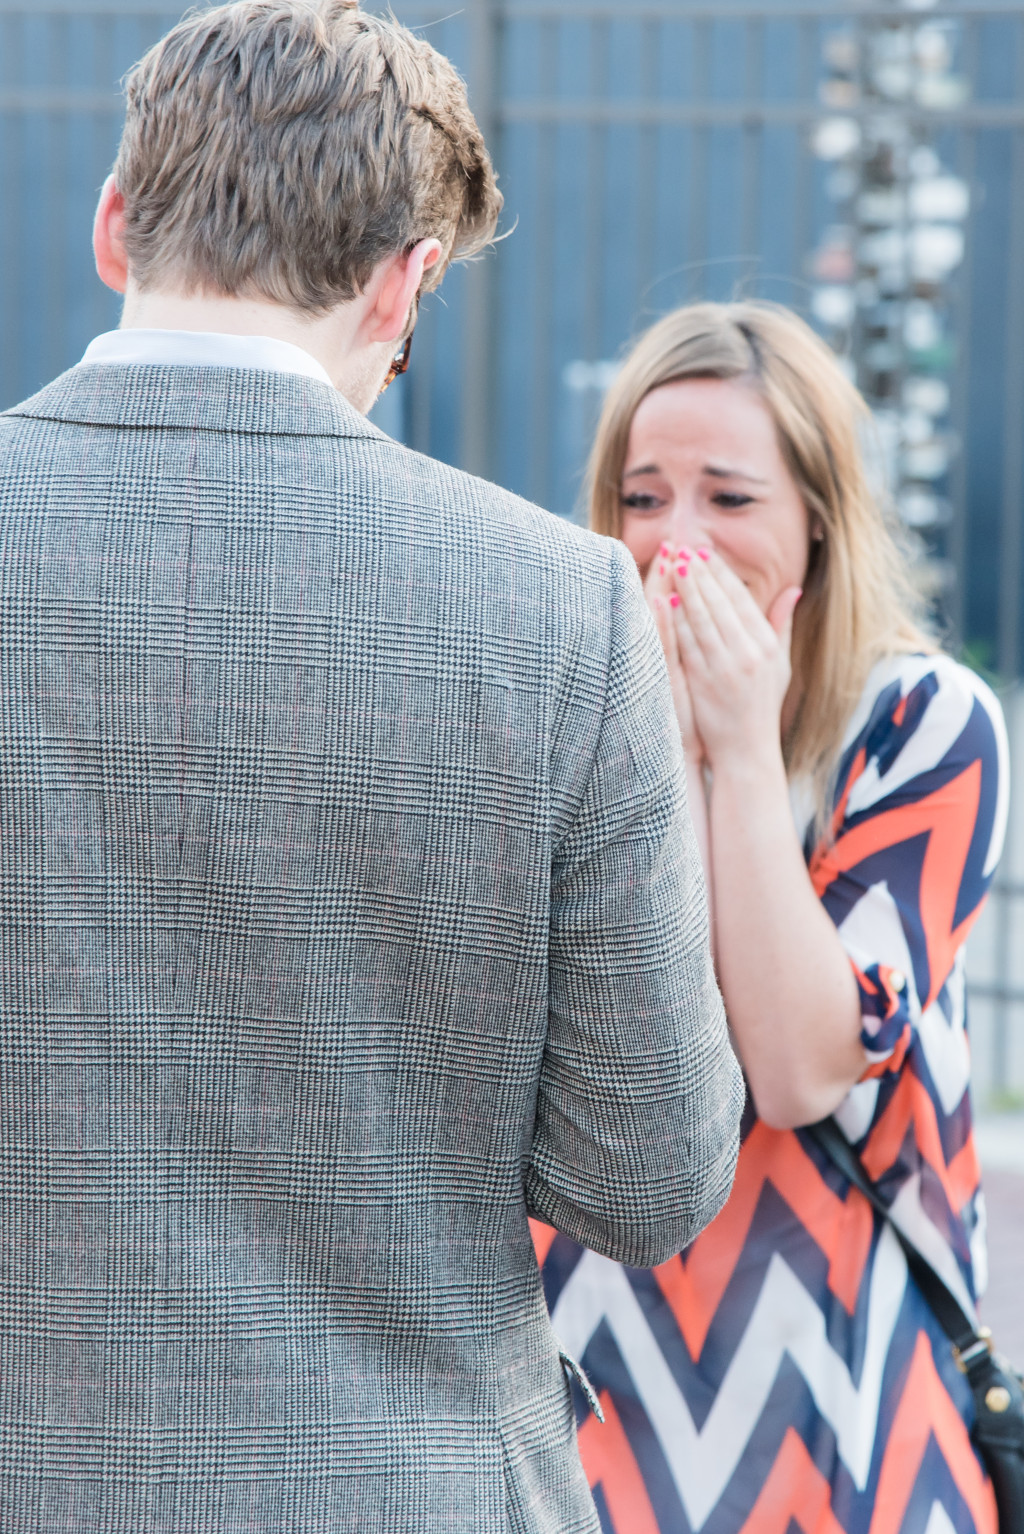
(663, 600)
(788, 986)
(736, 660)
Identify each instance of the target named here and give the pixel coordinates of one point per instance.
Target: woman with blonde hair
(848, 785)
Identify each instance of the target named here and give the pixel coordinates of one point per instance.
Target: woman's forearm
(788, 985)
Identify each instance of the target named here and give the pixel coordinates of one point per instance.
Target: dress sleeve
(916, 833)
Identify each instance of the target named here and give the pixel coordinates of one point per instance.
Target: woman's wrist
(747, 767)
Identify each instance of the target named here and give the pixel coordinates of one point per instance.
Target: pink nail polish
(681, 570)
(661, 568)
(704, 554)
(664, 550)
(673, 600)
(684, 552)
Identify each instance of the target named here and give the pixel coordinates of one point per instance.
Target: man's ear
(398, 282)
(108, 240)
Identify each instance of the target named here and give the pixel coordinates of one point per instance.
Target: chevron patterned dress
(785, 1372)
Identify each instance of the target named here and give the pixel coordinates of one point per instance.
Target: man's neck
(330, 338)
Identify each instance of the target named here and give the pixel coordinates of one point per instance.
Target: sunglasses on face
(399, 363)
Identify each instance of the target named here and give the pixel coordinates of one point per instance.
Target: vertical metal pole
(697, 234)
(808, 49)
(594, 242)
(752, 133)
(958, 543)
(1011, 542)
(1004, 914)
(545, 213)
(477, 374)
(647, 188)
(105, 130)
(1013, 427)
(57, 134)
(10, 232)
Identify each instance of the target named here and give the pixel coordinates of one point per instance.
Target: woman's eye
(731, 500)
(641, 503)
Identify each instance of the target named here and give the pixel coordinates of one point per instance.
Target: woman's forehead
(722, 422)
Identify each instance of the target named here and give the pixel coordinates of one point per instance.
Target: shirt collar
(203, 348)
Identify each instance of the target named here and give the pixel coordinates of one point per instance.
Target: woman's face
(704, 468)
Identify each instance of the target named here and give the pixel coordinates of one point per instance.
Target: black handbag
(998, 1431)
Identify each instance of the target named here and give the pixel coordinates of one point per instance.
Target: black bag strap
(950, 1314)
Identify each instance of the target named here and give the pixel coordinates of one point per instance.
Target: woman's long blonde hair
(858, 603)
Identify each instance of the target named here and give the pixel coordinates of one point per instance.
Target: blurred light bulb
(836, 137)
(927, 395)
(833, 305)
(935, 251)
(939, 198)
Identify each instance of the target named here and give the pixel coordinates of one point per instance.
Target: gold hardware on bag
(983, 1345)
(997, 1398)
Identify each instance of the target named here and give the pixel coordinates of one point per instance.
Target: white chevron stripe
(872, 933)
(857, 1109)
(945, 1042)
(909, 1215)
(937, 731)
(939, 1521)
(785, 1320)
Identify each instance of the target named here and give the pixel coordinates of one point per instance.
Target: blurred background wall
(863, 163)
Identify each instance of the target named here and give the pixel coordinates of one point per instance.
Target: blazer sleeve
(636, 1130)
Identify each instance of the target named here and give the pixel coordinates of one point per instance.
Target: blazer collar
(253, 400)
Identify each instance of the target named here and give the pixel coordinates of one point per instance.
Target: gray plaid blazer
(350, 913)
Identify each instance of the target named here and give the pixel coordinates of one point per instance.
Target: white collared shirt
(202, 348)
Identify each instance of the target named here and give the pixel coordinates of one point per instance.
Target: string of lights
(882, 271)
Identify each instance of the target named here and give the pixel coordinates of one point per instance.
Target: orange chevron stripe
(543, 1235)
(910, 1105)
(694, 1285)
(925, 1410)
(795, 1492)
(609, 1462)
(949, 816)
(964, 1173)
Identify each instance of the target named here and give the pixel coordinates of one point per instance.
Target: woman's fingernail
(673, 600)
(661, 569)
(704, 554)
(681, 568)
(664, 550)
(684, 552)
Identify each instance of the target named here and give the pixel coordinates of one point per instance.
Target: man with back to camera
(351, 905)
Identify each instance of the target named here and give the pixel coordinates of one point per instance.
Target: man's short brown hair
(281, 149)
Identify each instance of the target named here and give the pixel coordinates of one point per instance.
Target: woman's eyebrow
(647, 468)
(718, 472)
